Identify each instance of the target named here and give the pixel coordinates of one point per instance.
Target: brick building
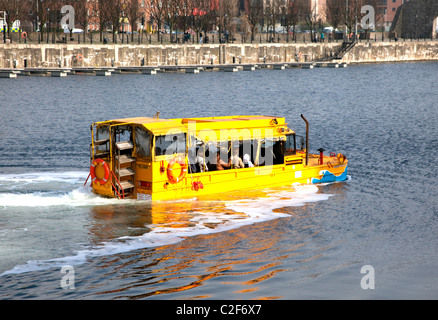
(388, 10)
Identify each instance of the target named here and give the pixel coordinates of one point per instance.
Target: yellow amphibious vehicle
(160, 159)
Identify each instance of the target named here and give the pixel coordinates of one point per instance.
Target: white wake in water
(57, 188)
(78, 197)
(245, 212)
(41, 177)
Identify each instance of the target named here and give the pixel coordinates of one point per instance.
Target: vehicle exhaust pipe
(307, 139)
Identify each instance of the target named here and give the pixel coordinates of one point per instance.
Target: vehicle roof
(155, 125)
(247, 125)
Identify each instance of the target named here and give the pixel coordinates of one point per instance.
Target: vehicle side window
(291, 146)
(142, 142)
(271, 152)
(170, 144)
(102, 134)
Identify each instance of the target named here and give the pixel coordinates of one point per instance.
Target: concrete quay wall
(99, 55)
(393, 51)
(76, 55)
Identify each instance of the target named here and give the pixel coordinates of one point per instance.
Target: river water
(294, 242)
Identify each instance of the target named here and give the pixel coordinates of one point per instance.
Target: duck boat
(171, 159)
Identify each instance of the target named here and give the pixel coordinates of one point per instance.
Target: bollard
(321, 156)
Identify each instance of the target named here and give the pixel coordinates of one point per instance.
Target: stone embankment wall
(394, 51)
(56, 55)
(76, 55)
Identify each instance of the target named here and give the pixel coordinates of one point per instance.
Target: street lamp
(48, 17)
(37, 17)
(224, 30)
(123, 20)
(176, 23)
(161, 17)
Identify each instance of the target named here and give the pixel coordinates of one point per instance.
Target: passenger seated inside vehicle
(236, 161)
(247, 161)
(191, 155)
(221, 164)
(211, 162)
(196, 162)
(215, 163)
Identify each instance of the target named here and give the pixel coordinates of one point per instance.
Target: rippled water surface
(294, 242)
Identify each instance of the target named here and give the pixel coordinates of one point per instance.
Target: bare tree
(156, 11)
(46, 13)
(335, 12)
(41, 18)
(171, 12)
(378, 13)
(353, 14)
(272, 13)
(290, 14)
(225, 12)
(202, 16)
(16, 10)
(267, 17)
(82, 15)
(350, 14)
(186, 14)
(99, 12)
(309, 16)
(133, 12)
(254, 13)
(115, 12)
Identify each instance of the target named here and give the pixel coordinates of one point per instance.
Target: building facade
(388, 11)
